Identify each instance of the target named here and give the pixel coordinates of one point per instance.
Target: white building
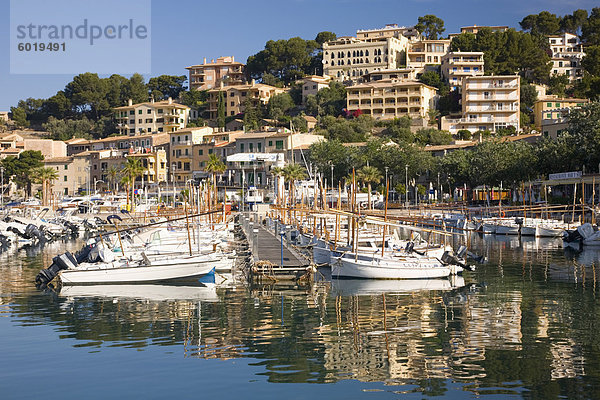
(488, 103)
(346, 59)
(567, 53)
(312, 84)
(459, 64)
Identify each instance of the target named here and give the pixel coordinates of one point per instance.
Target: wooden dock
(272, 260)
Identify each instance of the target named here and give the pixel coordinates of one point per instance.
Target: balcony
(484, 86)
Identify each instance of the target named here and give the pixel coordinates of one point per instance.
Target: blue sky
(186, 31)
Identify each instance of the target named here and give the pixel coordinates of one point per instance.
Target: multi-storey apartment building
(235, 97)
(553, 108)
(474, 29)
(383, 74)
(125, 144)
(458, 64)
(181, 147)
(349, 58)
(388, 99)
(567, 53)
(390, 30)
(216, 143)
(312, 84)
(206, 76)
(73, 173)
(488, 103)
(152, 117)
(426, 52)
(102, 162)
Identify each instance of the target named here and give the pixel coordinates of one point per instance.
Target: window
(131, 112)
(186, 166)
(259, 145)
(160, 129)
(210, 151)
(231, 94)
(549, 105)
(242, 147)
(149, 111)
(139, 121)
(232, 103)
(66, 167)
(243, 94)
(186, 152)
(132, 121)
(557, 105)
(65, 178)
(232, 113)
(200, 152)
(279, 144)
(160, 110)
(132, 130)
(251, 146)
(270, 143)
(139, 111)
(549, 116)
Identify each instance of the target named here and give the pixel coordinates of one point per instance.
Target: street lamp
(406, 188)
(438, 188)
(2, 192)
(331, 186)
(386, 181)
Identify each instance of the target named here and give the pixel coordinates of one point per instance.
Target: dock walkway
(271, 259)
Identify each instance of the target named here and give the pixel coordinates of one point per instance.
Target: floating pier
(273, 258)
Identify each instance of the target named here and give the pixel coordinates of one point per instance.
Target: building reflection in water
(516, 319)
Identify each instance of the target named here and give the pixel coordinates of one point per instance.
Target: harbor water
(523, 325)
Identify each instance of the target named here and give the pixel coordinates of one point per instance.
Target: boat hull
(135, 274)
(507, 230)
(488, 228)
(528, 231)
(542, 231)
(321, 255)
(381, 269)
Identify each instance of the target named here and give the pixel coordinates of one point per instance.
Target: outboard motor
(519, 221)
(450, 259)
(32, 232)
(572, 236)
(63, 261)
(71, 227)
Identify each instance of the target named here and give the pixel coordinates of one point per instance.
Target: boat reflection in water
(364, 287)
(202, 292)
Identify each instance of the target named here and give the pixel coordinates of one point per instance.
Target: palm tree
(112, 173)
(133, 168)
(292, 173)
(45, 176)
(215, 166)
(369, 175)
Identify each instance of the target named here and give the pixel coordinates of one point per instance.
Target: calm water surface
(525, 325)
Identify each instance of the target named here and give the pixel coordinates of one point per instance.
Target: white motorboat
(549, 231)
(104, 269)
(124, 272)
(507, 228)
(353, 266)
(489, 227)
